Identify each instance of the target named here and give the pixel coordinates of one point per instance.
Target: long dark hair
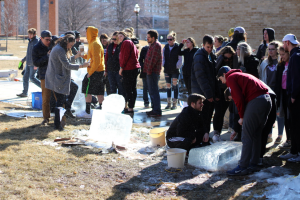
(224, 50)
(277, 45)
(281, 62)
(193, 41)
(63, 42)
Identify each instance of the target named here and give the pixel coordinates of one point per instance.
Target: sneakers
(83, 114)
(269, 140)
(69, 114)
(146, 106)
(153, 114)
(216, 137)
(254, 168)
(288, 156)
(296, 159)
(288, 143)
(278, 140)
(22, 95)
(238, 171)
(45, 122)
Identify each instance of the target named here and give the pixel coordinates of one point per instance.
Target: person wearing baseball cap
(290, 43)
(239, 35)
(253, 102)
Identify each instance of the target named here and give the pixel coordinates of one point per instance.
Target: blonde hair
(173, 35)
(245, 51)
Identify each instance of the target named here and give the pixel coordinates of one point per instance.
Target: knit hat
(223, 70)
(230, 32)
(46, 33)
(77, 34)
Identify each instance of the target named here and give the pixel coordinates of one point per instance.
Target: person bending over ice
(188, 130)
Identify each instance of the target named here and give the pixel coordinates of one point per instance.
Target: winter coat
(95, 52)
(203, 76)
(188, 56)
(28, 57)
(58, 76)
(40, 58)
(112, 60)
(244, 88)
(170, 59)
(153, 59)
(293, 74)
(251, 64)
(234, 43)
(188, 124)
(129, 54)
(261, 51)
(142, 60)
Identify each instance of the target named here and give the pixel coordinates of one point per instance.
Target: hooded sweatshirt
(262, 47)
(95, 52)
(244, 88)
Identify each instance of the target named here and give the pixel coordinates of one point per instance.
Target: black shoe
(153, 114)
(69, 114)
(129, 112)
(99, 107)
(254, 168)
(22, 95)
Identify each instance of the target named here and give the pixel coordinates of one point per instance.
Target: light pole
(137, 10)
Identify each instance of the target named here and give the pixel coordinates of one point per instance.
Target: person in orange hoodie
(92, 83)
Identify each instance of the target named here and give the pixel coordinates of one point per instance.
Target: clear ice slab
(216, 157)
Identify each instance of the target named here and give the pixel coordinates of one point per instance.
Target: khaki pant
(46, 95)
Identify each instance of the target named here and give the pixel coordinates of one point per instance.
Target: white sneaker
(288, 156)
(296, 159)
(83, 114)
(216, 138)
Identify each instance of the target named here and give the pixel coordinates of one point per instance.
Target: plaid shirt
(153, 59)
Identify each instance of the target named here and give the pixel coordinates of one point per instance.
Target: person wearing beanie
(40, 56)
(268, 36)
(92, 83)
(253, 102)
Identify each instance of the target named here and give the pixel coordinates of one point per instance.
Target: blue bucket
(37, 100)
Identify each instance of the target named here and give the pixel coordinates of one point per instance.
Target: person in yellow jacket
(92, 83)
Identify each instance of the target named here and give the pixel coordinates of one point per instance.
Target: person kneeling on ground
(253, 102)
(188, 130)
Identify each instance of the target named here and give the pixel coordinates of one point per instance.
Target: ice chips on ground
(218, 156)
(113, 126)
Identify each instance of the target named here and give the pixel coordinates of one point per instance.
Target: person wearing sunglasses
(40, 57)
(172, 62)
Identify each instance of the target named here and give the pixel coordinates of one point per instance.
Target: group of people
(224, 80)
(255, 89)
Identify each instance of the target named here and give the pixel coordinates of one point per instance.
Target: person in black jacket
(247, 62)
(268, 36)
(188, 129)
(280, 90)
(203, 78)
(238, 36)
(104, 39)
(188, 55)
(172, 62)
(112, 65)
(40, 57)
(143, 75)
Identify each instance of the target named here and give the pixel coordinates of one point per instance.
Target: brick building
(195, 18)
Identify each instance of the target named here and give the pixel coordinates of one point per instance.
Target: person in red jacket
(130, 66)
(254, 104)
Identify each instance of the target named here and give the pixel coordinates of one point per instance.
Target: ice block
(216, 157)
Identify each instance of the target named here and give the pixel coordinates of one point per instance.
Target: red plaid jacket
(153, 59)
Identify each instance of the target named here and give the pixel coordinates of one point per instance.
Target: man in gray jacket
(29, 70)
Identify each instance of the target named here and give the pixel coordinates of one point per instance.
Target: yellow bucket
(158, 138)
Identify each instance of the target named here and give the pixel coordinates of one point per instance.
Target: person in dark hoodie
(188, 129)
(238, 36)
(268, 36)
(40, 57)
(130, 68)
(188, 55)
(254, 104)
(172, 62)
(290, 43)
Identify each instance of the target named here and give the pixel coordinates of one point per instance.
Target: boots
(174, 107)
(169, 103)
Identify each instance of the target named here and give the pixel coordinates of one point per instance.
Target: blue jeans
(145, 91)
(29, 74)
(280, 124)
(115, 82)
(169, 78)
(152, 81)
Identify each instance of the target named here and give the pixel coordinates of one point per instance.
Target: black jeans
(187, 82)
(267, 128)
(207, 112)
(286, 116)
(294, 109)
(220, 110)
(129, 86)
